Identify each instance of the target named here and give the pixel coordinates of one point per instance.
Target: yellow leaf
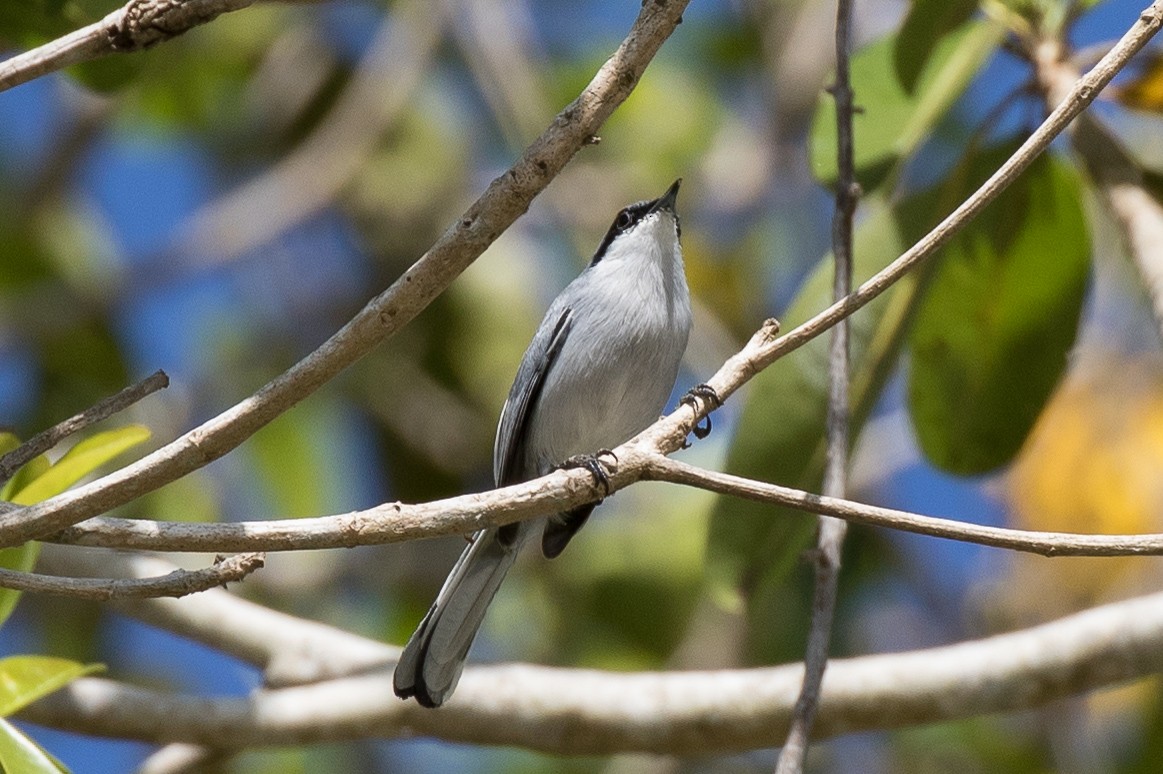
(1145, 90)
(1091, 465)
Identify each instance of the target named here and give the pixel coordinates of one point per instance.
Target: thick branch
(136, 25)
(687, 713)
(45, 440)
(176, 583)
(505, 200)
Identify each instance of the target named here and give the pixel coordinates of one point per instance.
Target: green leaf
(780, 437)
(926, 25)
(20, 754)
(293, 470)
(8, 442)
(992, 337)
(31, 470)
(19, 558)
(110, 73)
(893, 121)
(80, 461)
(23, 23)
(24, 679)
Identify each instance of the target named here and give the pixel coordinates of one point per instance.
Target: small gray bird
(598, 372)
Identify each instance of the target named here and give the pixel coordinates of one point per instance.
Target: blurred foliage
(1091, 464)
(1145, 90)
(967, 352)
(39, 479)
(999, 318)
(924, 27)
(754, 546)
(896, 117)
(23, 680)
(80, 460)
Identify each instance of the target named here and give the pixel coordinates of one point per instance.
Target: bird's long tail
(433, 659)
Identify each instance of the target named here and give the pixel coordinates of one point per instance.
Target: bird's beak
(668, 199)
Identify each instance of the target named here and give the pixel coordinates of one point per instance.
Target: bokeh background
(220, 204)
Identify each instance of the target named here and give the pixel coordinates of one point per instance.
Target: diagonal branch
(136, 25)
(46, 439)
(1072, 103)
(506, 199)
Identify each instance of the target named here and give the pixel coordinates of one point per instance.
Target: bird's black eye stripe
(625, 220)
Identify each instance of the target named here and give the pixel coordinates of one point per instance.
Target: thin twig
(301, 651)
(136, 25)
(506, 199)
(45, 440)
(1050, 544)
(178, 583)
(1079, 97)
(585, 711)
(831, 531)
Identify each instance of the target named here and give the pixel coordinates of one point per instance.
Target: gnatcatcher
(598, 372)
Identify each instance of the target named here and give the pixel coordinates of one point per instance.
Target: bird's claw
(708, 394)
(593, 464)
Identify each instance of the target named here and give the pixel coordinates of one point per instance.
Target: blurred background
(218, 205)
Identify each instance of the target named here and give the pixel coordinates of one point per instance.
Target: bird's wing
(512, 431)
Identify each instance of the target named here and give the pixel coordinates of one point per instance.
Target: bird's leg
(708, 394)
(592, 463)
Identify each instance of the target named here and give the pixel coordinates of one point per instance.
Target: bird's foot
(592, 463)
(709, 395)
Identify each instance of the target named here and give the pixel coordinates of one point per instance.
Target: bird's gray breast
(612, 377)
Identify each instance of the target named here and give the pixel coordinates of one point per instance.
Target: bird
(598, 371)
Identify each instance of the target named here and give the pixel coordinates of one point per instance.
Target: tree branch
(1076, 100)
(136, 25)
(1116, 175)
(289, 650)
(831, 531)
(1050, 544)
(176, 583)
(499, 206)
(576, 711)
(45, 440)
(503, 202)
(641, 458)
